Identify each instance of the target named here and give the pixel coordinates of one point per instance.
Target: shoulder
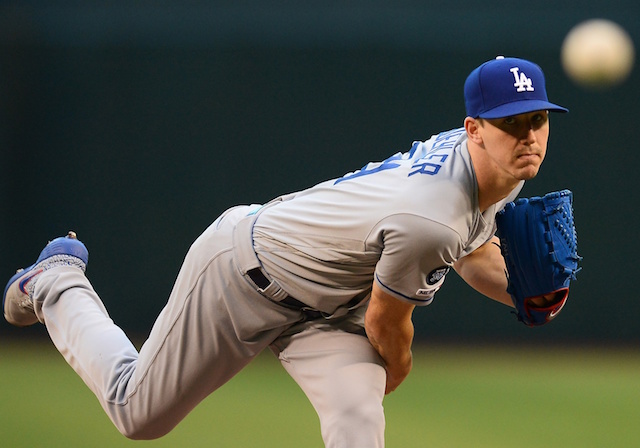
(414, 235)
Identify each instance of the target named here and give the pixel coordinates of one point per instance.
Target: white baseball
(597, 53)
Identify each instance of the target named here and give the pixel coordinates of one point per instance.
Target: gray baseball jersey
(403, 221)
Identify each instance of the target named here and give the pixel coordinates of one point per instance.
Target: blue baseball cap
(506, 86)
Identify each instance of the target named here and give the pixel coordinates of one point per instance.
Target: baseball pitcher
(328, 277)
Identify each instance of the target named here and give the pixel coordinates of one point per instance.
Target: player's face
(517, 144)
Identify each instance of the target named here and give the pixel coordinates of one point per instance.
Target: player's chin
(527, 167)
(528, 172)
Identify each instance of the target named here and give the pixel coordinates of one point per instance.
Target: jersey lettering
(433, 161)
(447, 139)
(430, 163)
(372, 168)
(429, 167)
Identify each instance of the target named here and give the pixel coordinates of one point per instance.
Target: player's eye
(539, 119)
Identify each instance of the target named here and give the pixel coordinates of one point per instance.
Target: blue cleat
(17, 300)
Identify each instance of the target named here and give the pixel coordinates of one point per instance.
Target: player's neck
(488, 196)
(492, 187)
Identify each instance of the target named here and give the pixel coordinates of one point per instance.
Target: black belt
(261, 281)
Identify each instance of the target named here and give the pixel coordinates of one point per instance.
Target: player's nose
(530, 136)
(527, 133)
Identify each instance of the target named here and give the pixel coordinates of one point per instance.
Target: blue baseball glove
(538, 242)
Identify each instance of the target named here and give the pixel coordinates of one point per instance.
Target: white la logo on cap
(522, 82)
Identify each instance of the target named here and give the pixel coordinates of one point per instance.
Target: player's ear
(472, 126)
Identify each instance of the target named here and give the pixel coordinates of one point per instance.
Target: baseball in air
(597, 53)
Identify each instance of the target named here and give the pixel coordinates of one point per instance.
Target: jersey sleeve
(417, 254)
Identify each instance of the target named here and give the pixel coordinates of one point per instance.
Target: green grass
(455, 397)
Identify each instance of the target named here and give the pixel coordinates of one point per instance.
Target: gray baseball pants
(215, 322)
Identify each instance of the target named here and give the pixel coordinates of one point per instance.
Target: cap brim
(521, 107)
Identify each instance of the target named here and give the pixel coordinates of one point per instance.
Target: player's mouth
(529, 155)
(533, 156)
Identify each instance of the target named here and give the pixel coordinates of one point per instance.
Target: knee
(366, 416)
(143, 430)
(142, 433)
(355, 420)
(358, 426)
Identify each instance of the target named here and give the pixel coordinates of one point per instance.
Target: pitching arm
(390, 330)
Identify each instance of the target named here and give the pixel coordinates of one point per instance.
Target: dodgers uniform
(293, 275)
